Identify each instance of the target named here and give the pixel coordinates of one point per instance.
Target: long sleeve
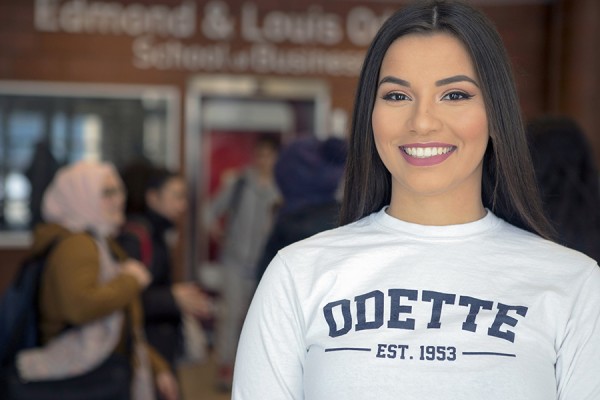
(131, 245)
(270, 358)
(157, 362)
(73, 287)
(158, 300)
(578, 361)
(159, 303)
(220, 204)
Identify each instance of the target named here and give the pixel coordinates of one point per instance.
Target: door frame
(243, 87)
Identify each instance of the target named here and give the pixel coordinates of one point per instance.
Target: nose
(424, 120)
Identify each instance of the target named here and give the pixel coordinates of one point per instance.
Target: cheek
(121, 202)
(378, 122)
(108, 210)
(387, 122)
(182, 204)
(473, 128)
(474, 124)
(378, 127)
(118, 203)
(179, 206)
(384, 134)
(113, 206)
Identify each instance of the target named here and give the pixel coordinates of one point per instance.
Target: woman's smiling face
(429, 120)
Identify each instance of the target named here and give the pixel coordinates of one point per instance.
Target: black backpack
(19, 308)
(19, 331)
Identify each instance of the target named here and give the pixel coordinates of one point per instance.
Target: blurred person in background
(40, 172)
(567, 176)
(157, 199)
(90, 314)
(246, 202)
(308, 174)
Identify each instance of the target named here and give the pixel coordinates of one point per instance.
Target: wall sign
(218, 37)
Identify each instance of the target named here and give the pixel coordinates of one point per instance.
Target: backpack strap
(24, 290)
(141, 231)
(236, 194)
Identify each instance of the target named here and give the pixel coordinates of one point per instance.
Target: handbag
(109, 381)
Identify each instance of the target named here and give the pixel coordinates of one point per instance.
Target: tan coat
(70, 293)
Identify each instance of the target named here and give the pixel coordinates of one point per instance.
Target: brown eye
(395, 96)
(454, 96)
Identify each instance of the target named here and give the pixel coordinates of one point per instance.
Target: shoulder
(237, 180)
(329, 246)
(74, 247)
(530, 243)
(117, 249)
(76, 241)
(136, 227)
(542, 255)
(330, 236)
(319, 259)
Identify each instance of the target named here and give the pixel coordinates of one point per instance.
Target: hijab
(74, 198)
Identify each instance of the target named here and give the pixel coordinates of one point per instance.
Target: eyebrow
(454, 79)
(393, 79)
(441, 82)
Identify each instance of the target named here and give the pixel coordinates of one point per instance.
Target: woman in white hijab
(89, 306)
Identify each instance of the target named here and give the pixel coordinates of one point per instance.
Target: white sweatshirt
(385, 309)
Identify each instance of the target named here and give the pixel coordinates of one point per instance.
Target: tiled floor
(198, 382)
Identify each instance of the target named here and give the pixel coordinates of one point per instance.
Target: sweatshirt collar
(483, 225)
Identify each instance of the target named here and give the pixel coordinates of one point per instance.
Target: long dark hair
(568, 179)
(140, 176)
(508, 187)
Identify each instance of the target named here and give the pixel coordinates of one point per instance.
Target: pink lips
(426, 161)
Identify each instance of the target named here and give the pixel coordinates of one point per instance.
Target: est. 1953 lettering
(424, 353)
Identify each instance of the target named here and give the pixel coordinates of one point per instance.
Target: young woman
(426, 291)
(90, 313)
(157, 201)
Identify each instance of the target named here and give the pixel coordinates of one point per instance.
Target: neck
(436, 210)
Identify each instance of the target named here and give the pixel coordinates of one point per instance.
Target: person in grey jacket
(246, 202)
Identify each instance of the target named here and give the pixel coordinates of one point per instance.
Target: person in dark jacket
(152, 213)
(308, 173)
(40, 173)
(568, 178)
